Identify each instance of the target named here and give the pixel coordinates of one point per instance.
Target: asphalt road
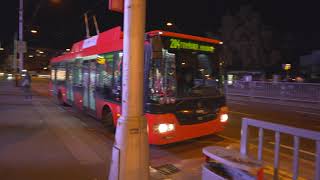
(187, 156)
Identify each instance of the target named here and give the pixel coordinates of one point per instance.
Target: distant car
(9, 76)
(2, 75)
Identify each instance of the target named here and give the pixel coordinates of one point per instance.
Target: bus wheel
(107, 119)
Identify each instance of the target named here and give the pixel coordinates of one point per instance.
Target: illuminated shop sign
(179, 44)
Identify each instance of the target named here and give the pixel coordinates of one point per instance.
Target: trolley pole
(20, 35)
(130, 155)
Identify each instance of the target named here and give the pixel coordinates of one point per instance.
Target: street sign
(116, 5)
(21, 46)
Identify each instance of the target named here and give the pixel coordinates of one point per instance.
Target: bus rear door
(89, 80)
(69, 83)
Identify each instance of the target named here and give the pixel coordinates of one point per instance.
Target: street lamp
(39, 51)
(169, 24)
(172, 27)
(33, 31)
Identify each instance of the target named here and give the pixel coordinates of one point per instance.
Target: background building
(310, 66)
(36, 59)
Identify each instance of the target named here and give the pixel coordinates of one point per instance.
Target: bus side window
(77, 73)
(61, 73)
(117, 73)
(104, 75)
(70, 72)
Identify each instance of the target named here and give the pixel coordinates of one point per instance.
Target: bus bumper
(180, 132)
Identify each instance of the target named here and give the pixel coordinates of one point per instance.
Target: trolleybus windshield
(183, 68)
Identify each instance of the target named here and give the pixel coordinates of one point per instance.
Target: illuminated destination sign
(90, 42)
(180, 44)
(101, 60)
(104, 58)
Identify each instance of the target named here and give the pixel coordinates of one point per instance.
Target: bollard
(224, 164)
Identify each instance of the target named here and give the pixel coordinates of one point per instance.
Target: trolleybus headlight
(163, 128)
(224, 117)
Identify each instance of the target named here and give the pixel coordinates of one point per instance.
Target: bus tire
(107, 119)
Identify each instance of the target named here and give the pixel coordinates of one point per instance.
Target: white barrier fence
(301, 92)
(278, 129)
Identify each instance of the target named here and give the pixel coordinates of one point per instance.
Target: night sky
(60, 22)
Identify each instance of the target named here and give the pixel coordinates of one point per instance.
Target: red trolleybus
(183, 87)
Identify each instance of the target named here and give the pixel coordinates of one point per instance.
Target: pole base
(130, 155)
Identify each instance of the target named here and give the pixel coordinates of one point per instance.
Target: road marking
(265, 149)
(228, 138)
(304, 112)
(236, 112)
(84, 124)
(75, 145)
(267, 169)
(291, 148)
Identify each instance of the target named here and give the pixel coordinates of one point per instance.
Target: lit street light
(172, 27)
(67, 50)
(169, 24)
(40, 52)
(34, 31)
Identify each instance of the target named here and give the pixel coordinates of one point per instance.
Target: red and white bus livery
(183, 88)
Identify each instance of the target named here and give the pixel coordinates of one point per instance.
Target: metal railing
(278, 129)
(303, 92)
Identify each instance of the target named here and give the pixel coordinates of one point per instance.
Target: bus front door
(69, 81)
(89, 80)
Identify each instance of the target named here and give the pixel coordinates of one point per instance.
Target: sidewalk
(38, 140)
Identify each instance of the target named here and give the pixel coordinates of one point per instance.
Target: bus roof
(112, 40)
(183, 36)
(107, 41)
